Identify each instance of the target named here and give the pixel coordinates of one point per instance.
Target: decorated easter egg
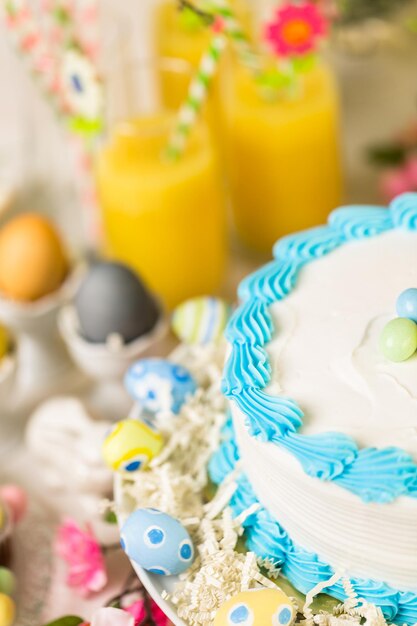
(407, 304)
(33, 261)
(15, 499)
(157, 542)
(113, 300)
(7, 610)
(257, 607)
(158, 385)
(131, 445)
(4, 342)
(7, 581)
(398, 340)
(201, 320)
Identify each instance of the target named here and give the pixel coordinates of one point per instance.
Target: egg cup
(43, 362)
(106, 363)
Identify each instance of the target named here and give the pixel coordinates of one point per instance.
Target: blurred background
(373, 54)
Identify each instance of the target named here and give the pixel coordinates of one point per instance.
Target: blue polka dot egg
(257, 607)
(158, 385)
(157, 542)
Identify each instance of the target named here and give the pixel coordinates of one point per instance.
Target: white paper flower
(81, 86)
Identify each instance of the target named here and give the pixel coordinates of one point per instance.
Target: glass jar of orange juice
(180, 33)
(164, 218)
(283, 155)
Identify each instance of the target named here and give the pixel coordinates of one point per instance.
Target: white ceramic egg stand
(106, 364)
(43, 365)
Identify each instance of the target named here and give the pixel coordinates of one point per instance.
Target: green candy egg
(398, 340)
(7, 581)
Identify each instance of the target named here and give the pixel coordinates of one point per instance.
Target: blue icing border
(375, 475)
(268, 539)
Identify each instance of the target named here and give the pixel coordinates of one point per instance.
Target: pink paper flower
(295, 29)
(89, 13)
(79, 548)
(400, 179)
(30, 41)
(218, 25)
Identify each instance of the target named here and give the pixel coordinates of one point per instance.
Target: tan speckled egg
(33, 261)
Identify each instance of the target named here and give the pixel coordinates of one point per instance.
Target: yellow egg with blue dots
(131, 445)
(257, 607)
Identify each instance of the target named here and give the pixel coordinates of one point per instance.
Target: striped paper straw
(196, 97)
(237, 35)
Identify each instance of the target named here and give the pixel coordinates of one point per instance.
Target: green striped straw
(237, 35)
(196, 97)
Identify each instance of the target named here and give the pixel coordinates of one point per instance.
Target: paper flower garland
(81, 87)
(295, 29)
(59, 43)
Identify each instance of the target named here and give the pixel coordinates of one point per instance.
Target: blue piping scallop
(375, 475)
(268, 539)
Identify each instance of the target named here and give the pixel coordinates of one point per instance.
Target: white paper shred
(176, 482)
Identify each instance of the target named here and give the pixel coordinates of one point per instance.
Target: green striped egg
(200, 321)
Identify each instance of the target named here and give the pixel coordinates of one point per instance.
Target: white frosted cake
(325, 425)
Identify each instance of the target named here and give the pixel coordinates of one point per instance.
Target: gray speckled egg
(112, 299)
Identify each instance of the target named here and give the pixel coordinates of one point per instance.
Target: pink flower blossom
(218, 25)
(295, 29)
(30, 41)
(138, 610)
(400, 179)
(44, 64)
(80, 549)
(89, 14)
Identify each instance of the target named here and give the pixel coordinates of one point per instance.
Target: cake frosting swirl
(323, 421)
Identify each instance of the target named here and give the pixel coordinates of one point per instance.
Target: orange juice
(180, 34)
(166, 219)
(283, 157)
